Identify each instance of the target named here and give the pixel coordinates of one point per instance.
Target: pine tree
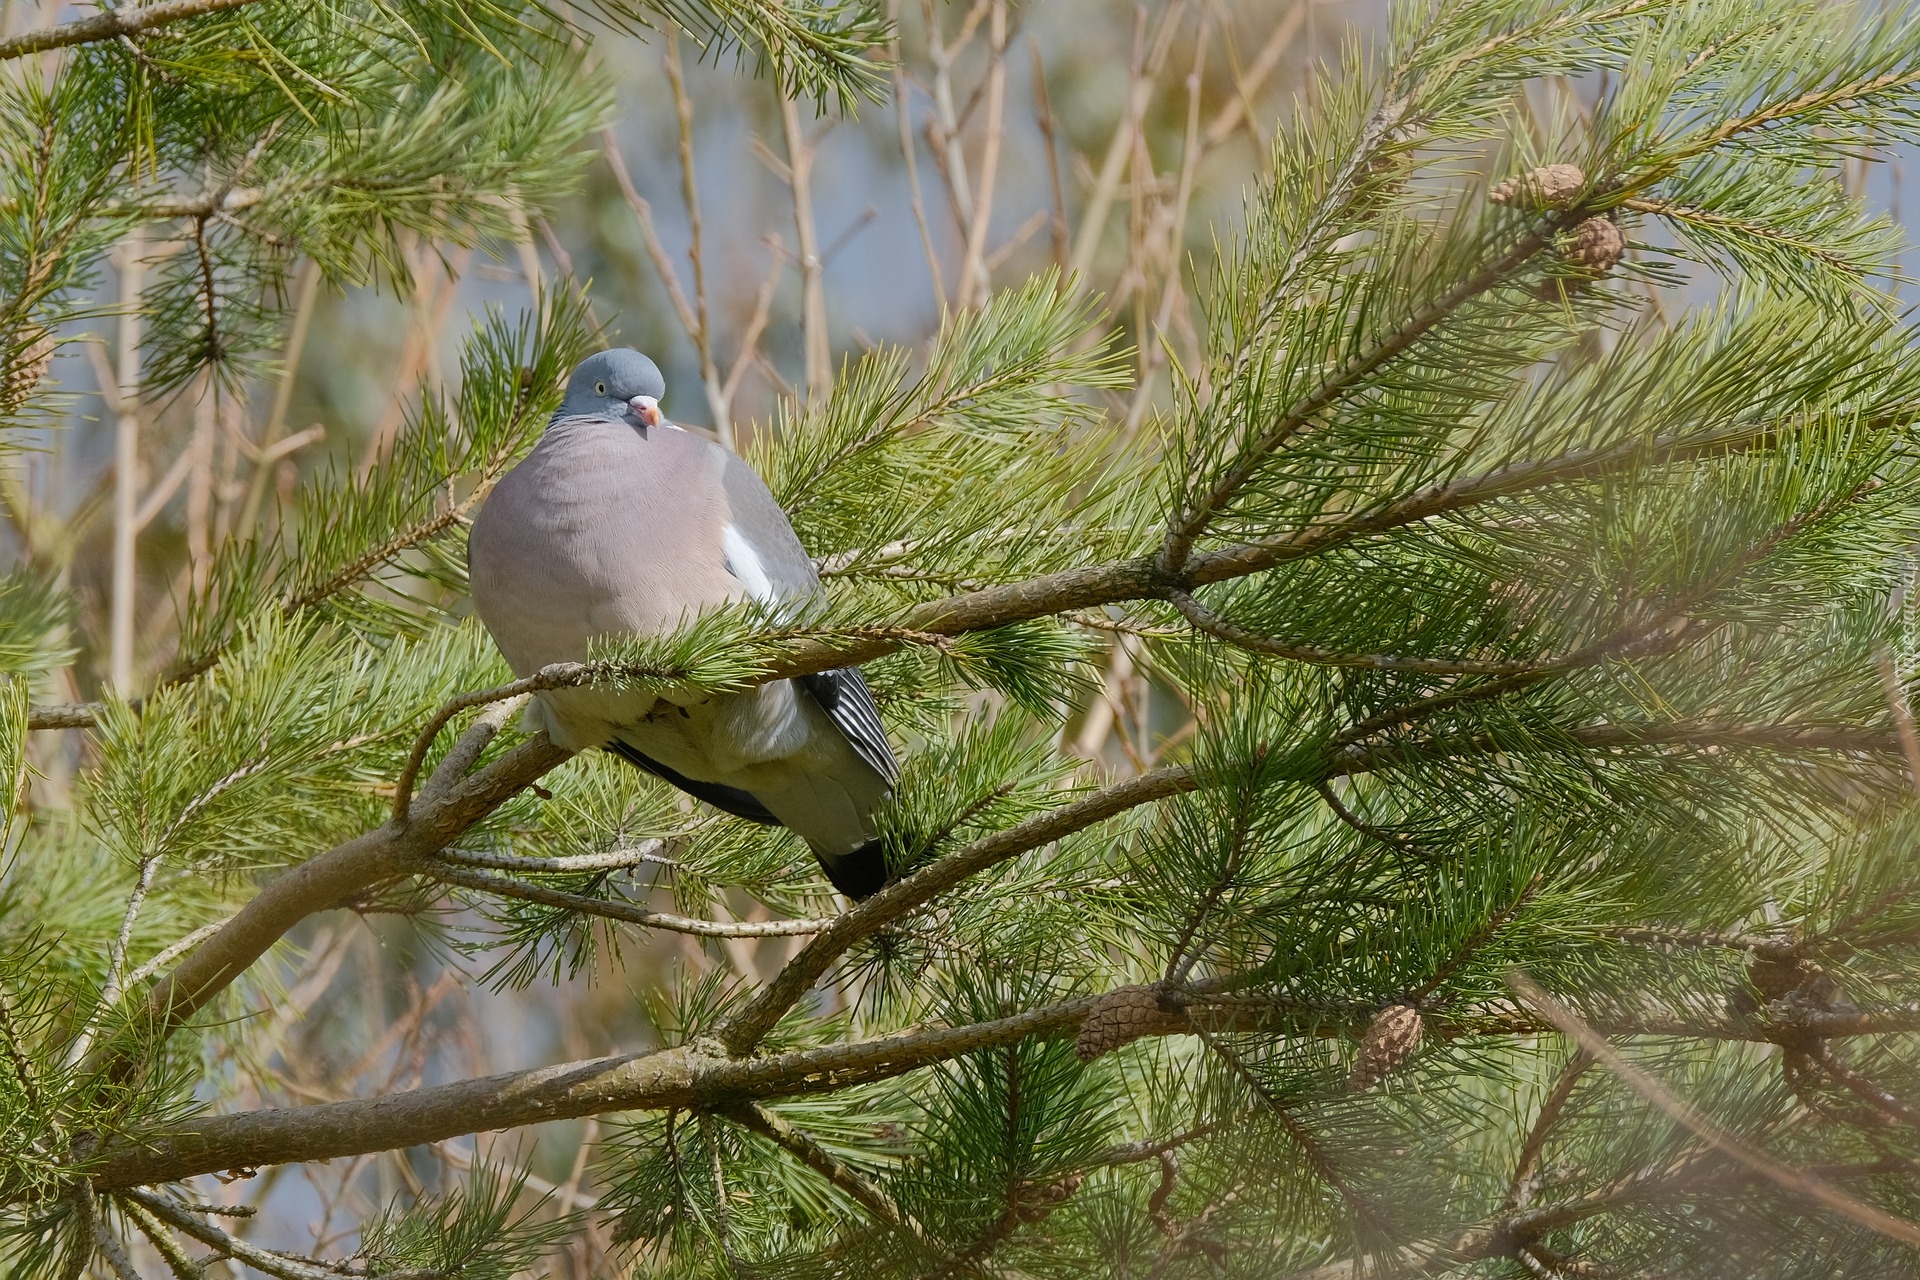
(1527, 890)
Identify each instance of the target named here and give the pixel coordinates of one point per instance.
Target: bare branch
(610, 909)
(111, 25)
(647, 851)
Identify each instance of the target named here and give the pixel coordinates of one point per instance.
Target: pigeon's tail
(859, 874)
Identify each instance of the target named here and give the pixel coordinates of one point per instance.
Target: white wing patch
(745, 565)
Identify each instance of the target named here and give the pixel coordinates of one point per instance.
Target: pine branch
(745, 1029)
(558, 675)
(1519, 1188)
(1207, 621)
(1869, 1092)
(1194, 517)
(344, 872)
(1310, 1146)
(113, 24)
(270, 1262)
(182, 1267)
(1796, 1181)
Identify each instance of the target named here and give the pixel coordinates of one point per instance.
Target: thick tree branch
(111, 25)
(687, 1077)
(1120, 581)
(701, 1076)
(72, 715)
(683, 1078)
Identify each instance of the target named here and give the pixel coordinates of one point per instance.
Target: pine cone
(1035, 1202)
(1391, 1038)
(1773, 976)
(1386, 179)
(1597, 245)
(1122, 1016)
(1547, 187)
(24, 373)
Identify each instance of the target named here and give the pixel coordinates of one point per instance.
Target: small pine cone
(1547, 187)
(1386, 179)
(1597, 245)
(1774, 976)
(1034, 1203)
(1122, 1016)
(25, 372)
(1391, 1038)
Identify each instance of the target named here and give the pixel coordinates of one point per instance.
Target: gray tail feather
(859, 874)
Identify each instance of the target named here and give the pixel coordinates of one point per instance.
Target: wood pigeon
(620, 523)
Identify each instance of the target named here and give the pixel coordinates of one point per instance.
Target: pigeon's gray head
(621, 385)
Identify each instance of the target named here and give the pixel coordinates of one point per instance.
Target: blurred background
(748, 244)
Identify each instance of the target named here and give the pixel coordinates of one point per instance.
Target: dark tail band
(859, 874)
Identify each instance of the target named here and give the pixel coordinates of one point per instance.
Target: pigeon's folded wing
(767, 558)
(844, 696)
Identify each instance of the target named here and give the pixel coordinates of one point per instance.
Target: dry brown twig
(1797, 1181)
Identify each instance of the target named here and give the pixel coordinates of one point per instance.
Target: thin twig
(975, 286)
(1246, 84)
(756, 325)
(1518, 1189)
(643, 214)
(702, 334)
(1795, 1180)
(802, 1147)
(1365, 828)
(1143, 76)
(813, 297)
(902, 110)
(116, 959)
(625, 912)
(1043, 116)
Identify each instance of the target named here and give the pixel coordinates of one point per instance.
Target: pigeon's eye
(599, 388)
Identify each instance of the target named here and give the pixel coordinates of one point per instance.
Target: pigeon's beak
(647, 409)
